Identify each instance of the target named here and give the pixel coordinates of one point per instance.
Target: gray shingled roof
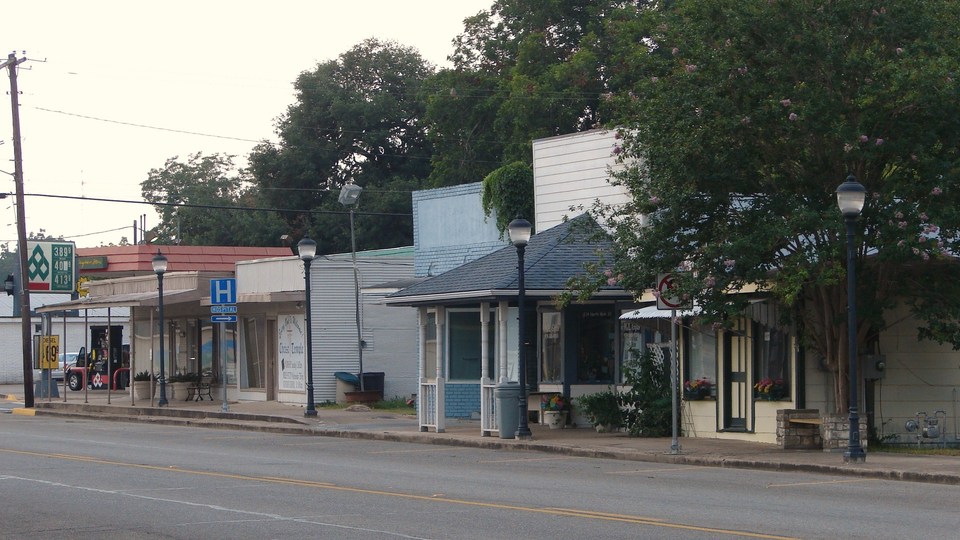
(551, 257)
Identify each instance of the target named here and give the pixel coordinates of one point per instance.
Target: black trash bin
(373, 382)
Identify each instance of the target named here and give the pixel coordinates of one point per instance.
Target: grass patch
(397, 405)
(925, 450)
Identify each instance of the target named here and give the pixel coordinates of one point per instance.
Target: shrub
(602, 408)
(649, 411)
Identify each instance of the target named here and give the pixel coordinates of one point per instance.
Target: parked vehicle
(66, 361)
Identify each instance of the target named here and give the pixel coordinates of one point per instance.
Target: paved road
(62, 477)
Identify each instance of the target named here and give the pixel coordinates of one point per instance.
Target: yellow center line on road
(416, 451)
(524, 460)
(582, 514)
(852, 481)
(652, 470)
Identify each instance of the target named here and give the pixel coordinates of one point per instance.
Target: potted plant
(769, 389)
(696, 389)
(177, 386)
(142, 387)
(554, 410)
(602, 409)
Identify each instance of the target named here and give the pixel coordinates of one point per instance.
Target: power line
(217, 207)
(145, 126)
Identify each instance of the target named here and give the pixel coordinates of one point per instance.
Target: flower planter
(367, 396)
(142, 389)
(555, 419)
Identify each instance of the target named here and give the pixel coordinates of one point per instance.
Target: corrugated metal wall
(335, 332)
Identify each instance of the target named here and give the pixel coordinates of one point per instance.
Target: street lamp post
(307, 249)
(520, 230)
(159, 267)
(850, 199)
(348, 197)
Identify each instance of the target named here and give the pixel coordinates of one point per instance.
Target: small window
(551, 348)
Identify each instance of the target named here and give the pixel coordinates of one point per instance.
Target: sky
(113, 89)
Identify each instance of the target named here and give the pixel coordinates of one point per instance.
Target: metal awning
(125, 300)
(651, 312)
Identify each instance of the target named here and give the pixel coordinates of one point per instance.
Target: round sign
(666, 299)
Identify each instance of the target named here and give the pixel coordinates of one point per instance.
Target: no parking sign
(666, 297)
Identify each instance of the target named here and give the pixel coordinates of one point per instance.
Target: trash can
(507, 395)
(346, 382)
(373, 382)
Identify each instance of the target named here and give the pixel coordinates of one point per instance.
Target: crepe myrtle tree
(740, 120)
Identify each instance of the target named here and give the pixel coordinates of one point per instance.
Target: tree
(508, 192)
(207, 201)
(742, 120)
(524, 69)
(357, 118)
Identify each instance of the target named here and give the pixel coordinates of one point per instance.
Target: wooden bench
(196, 390)
(808, 421)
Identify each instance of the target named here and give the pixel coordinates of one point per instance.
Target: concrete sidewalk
(363, 423)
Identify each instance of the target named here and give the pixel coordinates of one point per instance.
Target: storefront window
(430, 347)
(596, 350)
(551, 349)
(465, 330)
(771, 362)
(701, 354)
(254, 374)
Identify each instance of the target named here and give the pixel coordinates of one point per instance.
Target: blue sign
(223, 318)
(223, 291)
(223, 309)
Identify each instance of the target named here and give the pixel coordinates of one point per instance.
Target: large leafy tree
(523, 69)
(741, 120)
(356, 119)
(206, 200)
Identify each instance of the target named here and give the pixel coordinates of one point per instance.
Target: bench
(196, 390)
(808, 421)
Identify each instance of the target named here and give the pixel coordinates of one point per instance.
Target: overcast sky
(112, 89)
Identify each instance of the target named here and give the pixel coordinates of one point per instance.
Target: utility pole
(26, 335)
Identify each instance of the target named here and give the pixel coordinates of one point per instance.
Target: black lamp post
(307, 249)
(520, 230)
(159, 267)
(850, 199)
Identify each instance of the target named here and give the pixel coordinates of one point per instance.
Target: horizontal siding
(574, 171)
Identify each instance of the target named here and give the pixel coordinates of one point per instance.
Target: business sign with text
(51, 266)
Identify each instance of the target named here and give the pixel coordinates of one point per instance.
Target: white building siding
(573, 171)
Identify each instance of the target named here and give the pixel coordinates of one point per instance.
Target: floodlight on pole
(349, 195)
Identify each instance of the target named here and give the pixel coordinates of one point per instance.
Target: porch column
(503, 310)
(422, 386)
(486, 383)
(422, 340)
(441, 390)
(485, 341)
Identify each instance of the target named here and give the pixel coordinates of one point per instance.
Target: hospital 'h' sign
(223, 291)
